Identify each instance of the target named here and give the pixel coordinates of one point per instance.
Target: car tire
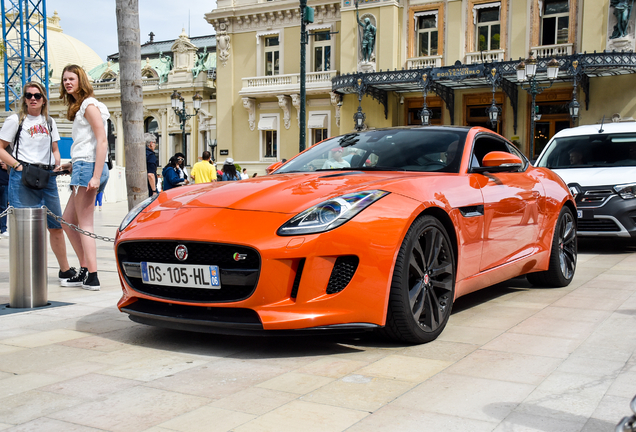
(423, 284)
(562, 255)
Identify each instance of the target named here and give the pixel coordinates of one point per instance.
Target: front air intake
(343, 270)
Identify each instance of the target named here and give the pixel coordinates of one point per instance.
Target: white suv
(598, 163)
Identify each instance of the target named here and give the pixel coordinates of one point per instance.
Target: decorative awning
(267, 123)
(317, 121)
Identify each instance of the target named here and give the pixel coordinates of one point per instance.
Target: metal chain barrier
(78, 229)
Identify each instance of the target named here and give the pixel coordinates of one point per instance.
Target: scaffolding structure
(26, 56)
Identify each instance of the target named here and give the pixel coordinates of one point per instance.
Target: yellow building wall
(453, 39)
(518, 30)
(608, 96)
(594, 25)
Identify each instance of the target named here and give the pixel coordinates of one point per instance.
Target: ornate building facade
(454, 44)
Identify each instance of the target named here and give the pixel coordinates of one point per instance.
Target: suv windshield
(598, 150)
(422, 150)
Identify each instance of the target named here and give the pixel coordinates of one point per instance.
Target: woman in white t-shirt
(89, 168)
(36, 145)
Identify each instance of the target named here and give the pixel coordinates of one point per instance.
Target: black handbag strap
(16, 139)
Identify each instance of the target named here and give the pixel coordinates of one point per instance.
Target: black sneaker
(64, 276)
(91, 283)
(76, 280)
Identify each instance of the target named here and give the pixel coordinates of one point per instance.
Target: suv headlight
(132, 214)
(330, 214)
(627, 191)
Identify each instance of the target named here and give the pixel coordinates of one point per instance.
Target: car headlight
(330, 214)
(627, 191)
(132, 214)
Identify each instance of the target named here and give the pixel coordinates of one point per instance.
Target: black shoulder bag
(33, 176)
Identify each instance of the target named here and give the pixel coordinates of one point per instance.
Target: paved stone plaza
(512, 358)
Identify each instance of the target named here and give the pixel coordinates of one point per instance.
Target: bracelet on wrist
(16, 164)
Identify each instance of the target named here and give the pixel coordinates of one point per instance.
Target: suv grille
(238, 278)
(606, 225)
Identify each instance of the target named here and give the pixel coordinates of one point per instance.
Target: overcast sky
(94, 23)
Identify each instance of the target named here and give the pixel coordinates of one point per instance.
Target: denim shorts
(21, 196)
(83, 173)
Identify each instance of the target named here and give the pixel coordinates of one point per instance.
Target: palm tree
(127, 12)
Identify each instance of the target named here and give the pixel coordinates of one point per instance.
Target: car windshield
(420, 150)
(598, 150)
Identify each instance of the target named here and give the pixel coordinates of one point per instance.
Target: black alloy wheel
(423, 285)
(562, 255)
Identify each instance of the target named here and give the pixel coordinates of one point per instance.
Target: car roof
(620, 127)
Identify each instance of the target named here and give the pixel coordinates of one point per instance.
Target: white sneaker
(5, 234)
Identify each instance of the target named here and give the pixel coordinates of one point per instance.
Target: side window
(484, 145)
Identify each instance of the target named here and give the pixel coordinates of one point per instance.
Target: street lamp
(574, 106)
(425, 113)
(527, 72)
(493, 111)
(178, 105)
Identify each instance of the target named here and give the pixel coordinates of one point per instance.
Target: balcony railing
(290, 82)
(552, 50)
(485, 56)
(424, 62)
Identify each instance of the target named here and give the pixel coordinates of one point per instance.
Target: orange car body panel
(250, 212)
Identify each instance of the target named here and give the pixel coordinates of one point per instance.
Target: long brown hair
(24, 108)
(84, 91)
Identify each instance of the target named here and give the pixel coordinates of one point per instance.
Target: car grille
(600, 225)
(238, 278)
(343, 271)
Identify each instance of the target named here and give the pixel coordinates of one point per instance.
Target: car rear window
(598, 150)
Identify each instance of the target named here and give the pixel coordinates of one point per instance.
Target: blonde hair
(24, 108)
(84, 91)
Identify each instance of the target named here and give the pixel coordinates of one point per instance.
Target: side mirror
(498, 161)
(273, 167)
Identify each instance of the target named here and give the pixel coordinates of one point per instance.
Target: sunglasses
(37, 96)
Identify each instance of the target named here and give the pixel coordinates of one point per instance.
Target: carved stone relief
(250, 105)
(296, 103)
(283, 102)
(335, 101)
(223, 44)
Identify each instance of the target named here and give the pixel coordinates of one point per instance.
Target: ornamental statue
(199, 64)
(622, 11)
(368, 36)
(165, 67)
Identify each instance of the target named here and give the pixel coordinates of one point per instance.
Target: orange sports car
(381, 229)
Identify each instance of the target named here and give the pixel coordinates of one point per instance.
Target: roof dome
(65, 50)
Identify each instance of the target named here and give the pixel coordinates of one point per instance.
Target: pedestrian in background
(181, 167)
(4, 193)
(99, 199)
(171, 175)
(203, 171)
(34, 137)
(229, 171)
(244, 175)
(151, 163)
(89, 169)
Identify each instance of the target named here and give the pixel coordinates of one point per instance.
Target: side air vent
(299, 273)
(343, 270)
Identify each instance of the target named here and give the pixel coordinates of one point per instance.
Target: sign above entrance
(458, 72)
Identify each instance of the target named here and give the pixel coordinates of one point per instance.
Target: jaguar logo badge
(181, 252)
(239, 257)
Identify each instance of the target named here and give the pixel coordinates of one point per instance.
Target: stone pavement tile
(520, 422)
(44, 338)
(96, 343)
(218, 379)
(609, 412)
(467, 334)
(505, 366)
(51, 425)
(555, 327)
(296, 383)
(563, 395)
(4, 426)
(440, 350)
(42, 358)
(498, 317)
(391, 419)
(154, 366)
(624, 385)
(591, 366)
(74, 369)
(542, 346)
(90, 386)
(591, 298)
(30, 405)
(254, 400)
(16, 384)
(405, 368)
(21, 320)
(536, 298)
(359, 392)
(5, 349)
(207, 419)
(614, 339)
(366, 354)
(92, 326)
(467, 397)
(572, 314)
(332, 367)
(131, 353)
(306, 417)
(130, 410)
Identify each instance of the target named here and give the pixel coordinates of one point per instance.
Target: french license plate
(579, 214)
(181, 275)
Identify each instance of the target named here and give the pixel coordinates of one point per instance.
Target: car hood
(597, 176)
(280, 193)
